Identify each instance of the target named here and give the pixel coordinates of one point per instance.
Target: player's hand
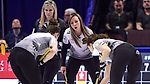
(63, 69)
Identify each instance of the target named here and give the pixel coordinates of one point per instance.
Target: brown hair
(53, 27)
(92, 38)
(83, 29)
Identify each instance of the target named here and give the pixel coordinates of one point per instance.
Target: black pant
(50, 69)
(92, 66)
(125, 56)
(25, 66)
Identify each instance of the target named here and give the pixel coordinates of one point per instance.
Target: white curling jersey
(75, 51)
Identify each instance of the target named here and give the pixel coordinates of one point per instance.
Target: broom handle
(65, 78)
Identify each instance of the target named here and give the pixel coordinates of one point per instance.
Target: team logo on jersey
(35, 46)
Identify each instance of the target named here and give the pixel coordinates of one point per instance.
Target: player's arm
(106, 78)
(52, 50)
(105, 51)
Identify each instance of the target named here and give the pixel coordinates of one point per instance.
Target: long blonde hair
(83, 29)
(43, 17)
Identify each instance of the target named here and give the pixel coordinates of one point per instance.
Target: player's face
(56, 35)
(49, 11)
(75, 24)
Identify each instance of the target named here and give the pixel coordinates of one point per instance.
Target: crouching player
(23, 56)
(118, 56)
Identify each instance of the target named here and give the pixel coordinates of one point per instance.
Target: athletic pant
(25, 66)
(50, 69)
(73, 65)
(125, 56)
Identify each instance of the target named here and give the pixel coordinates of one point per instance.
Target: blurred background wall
(28, 11)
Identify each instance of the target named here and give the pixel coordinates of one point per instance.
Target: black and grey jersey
(36, 43)
(112, 44)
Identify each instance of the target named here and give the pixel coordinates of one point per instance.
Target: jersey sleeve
(53, 42)
(65, 46)
(66, 36)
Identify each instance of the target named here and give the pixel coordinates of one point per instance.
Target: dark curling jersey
(37, 43)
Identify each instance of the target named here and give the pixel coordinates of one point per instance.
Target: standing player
(80, 54)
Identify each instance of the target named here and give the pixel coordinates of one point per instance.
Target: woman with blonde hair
(48, 15)
(49, 11)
